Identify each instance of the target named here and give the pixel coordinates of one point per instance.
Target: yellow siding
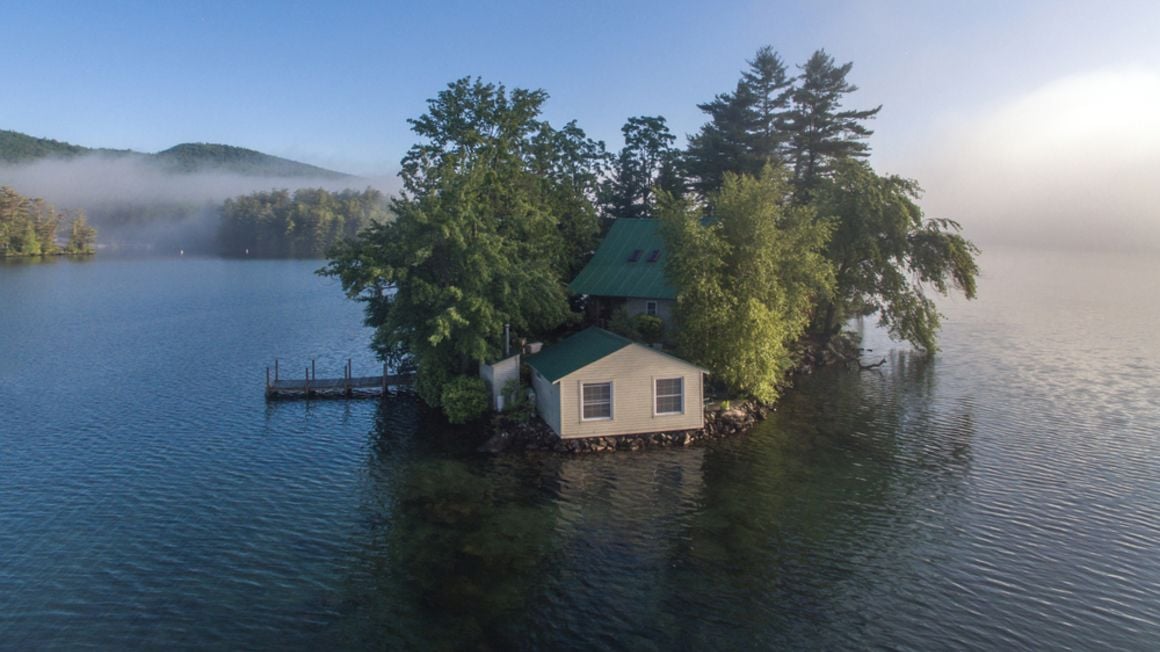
(632, 371)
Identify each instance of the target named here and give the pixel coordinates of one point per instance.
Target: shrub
(650, 327)
(621, 324)
(514, 395)
(515, 401)
(465, 398)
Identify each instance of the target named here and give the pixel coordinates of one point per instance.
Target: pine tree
(821, 132)
(722, 144)
(772, 89)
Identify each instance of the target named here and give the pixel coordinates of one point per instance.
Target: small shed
(597, 383)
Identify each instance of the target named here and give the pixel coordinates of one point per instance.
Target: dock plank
(349, 387)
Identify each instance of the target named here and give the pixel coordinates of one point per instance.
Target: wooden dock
(349, 386)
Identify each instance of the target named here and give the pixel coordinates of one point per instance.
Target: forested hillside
(18, 148)
(206, 157)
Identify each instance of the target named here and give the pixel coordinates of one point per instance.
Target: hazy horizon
(1036, 122)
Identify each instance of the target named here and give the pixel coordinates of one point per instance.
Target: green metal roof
(630, 262)
(576, 352)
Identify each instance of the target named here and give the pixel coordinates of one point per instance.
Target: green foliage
(621, 323)
(747, 281)
(569, 167)
(747, 128)
(307, 224)
(82, 237)
(199, 157)
(647, 162)
(515, 401)
(650, 327)
(773, 118)
(821, 133)
(28, 227)
(16, 147)
(513, 394)
(886, 257)
(464, 398)
(479, 239)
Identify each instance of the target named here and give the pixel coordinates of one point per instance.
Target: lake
(1001, 495)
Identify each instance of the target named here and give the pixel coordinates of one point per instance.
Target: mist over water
(1070, 165)
(137, 204)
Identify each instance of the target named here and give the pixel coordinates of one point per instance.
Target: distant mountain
(206, 157)
(16, 147)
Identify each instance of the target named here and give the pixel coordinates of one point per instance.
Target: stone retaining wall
(535, 435)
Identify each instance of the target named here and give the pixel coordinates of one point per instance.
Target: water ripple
(1001, 495)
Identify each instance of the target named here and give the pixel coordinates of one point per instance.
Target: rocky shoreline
(535, 435)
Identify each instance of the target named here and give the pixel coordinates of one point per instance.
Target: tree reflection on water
(774, 537)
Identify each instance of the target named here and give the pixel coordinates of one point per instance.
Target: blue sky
(333, 83)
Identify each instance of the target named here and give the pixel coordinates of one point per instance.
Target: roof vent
(652, 257)
(635, 255)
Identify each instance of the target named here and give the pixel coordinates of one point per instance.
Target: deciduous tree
(28, 226)
(647, 162)
(747, 280)
(477, 242)
(887, 258)
(82, 237)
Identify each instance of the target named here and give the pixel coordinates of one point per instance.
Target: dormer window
(654, 255)
(635, 255)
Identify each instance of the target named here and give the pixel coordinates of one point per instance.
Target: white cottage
(597, 383)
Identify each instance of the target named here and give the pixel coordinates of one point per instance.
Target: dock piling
(346, 386)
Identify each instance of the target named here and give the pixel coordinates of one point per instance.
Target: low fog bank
(1073, 165)
(136, 206)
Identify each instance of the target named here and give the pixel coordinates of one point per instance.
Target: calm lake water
(1004, 495)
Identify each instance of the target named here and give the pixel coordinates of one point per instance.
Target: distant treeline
(28, 227)
(302, 224)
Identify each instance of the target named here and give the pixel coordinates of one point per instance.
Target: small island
(741, 257)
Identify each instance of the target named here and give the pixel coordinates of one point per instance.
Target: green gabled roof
(610, 273)
(576, 352)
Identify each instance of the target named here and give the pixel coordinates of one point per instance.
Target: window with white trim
(596, 401)
(650, 308)
(670, 395)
